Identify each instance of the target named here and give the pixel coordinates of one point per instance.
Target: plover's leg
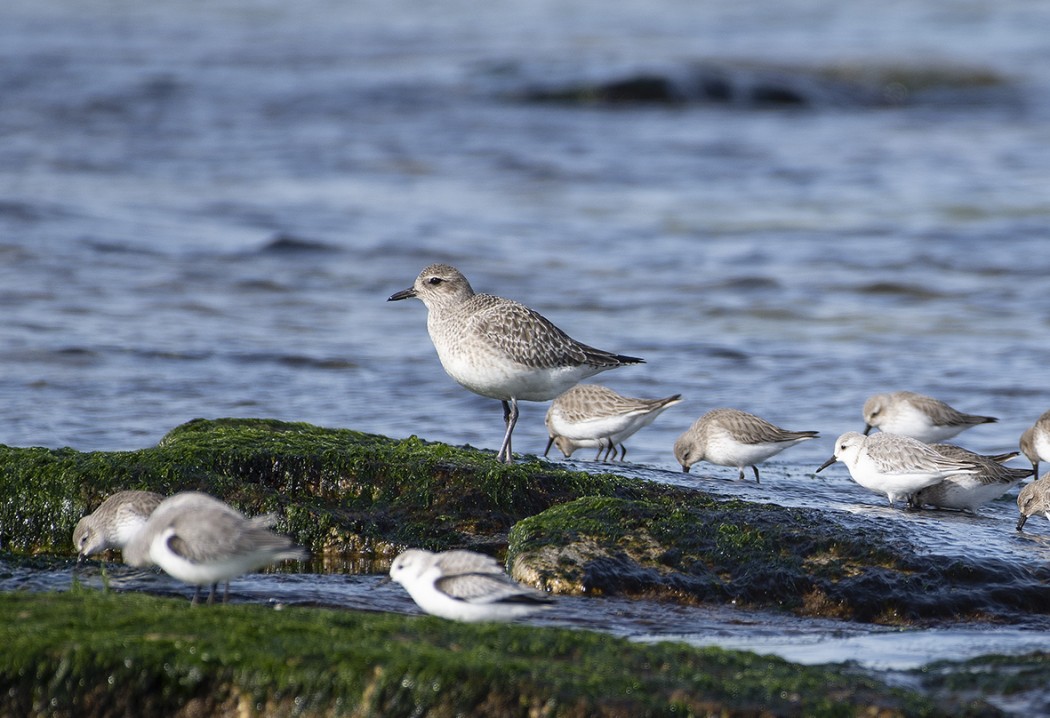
(510, 415)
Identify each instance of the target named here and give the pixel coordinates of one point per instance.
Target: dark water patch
(283, 244)
(900, 289)
(770, 86)
(295, 361)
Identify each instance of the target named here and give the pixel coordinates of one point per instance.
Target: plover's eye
(435, 280)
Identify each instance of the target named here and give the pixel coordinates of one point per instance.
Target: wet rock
(91, 655)
(334, 490)
(756, 555)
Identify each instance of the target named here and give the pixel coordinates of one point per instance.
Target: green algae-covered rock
(333, 489)
(89, 654)
(702, 550)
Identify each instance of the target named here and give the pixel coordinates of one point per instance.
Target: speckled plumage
(730, 437)
(463, 586)
(918, 416)
(894, 465)
(1034, 500)
(499, 348)
(595, 416)
(1035, 441)
(114, 522)
(968, 492)
(201, 540)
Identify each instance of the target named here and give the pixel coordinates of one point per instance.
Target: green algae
(333, 489)
(88, 654)
(697, 550)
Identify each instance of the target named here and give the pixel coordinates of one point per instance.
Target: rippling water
(203, 210)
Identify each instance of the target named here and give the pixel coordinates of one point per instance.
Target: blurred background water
(204, 206)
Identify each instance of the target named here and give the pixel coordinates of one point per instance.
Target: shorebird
(1034, 500)
(499, 348)
(967, 492)
(1035, 441)
(730, 437)
(921, 417)
(114, 522)
(591, 415)
(200, 540)
(894, 465)
(464, 586)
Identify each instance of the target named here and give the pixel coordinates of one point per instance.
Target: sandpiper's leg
(211, 593)
(741, 473)
(196, 595)
(510, 415)
(599, 454)
(623, 451)
(755, 469)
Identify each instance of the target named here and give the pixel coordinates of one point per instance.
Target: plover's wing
(529, 338)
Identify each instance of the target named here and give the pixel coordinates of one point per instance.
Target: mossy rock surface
(333, 489)
(761, 555)
(87, 654)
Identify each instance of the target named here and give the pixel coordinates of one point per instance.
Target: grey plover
(916, 415)
(730, 437)
(591, 416)
(464, 586)
(114, 522)
(894, 465)
(968, 492)
(1034, 500)
(499, 348)
(201, 540)
(1035, 441)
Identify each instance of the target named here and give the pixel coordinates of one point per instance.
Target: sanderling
(464, 586)
(1034, 500)
(499, 348)
(200, 540)
(921, 417)
(967, 492)
(895, 465)
(1035, 441)
(114, 522)
(591, 415)
(730, 437)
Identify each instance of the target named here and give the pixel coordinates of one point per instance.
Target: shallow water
(203, 212)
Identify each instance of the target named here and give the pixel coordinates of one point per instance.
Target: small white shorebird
(464, 586)
(921, 417)
(114, 522)
(967, 492)
(590, 415)
(897, 466)
(200, 540)
(730, 437)
(1034, 500)
(1035, 441)
(499, 348)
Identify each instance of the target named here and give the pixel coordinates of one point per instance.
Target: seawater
(202, 212)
